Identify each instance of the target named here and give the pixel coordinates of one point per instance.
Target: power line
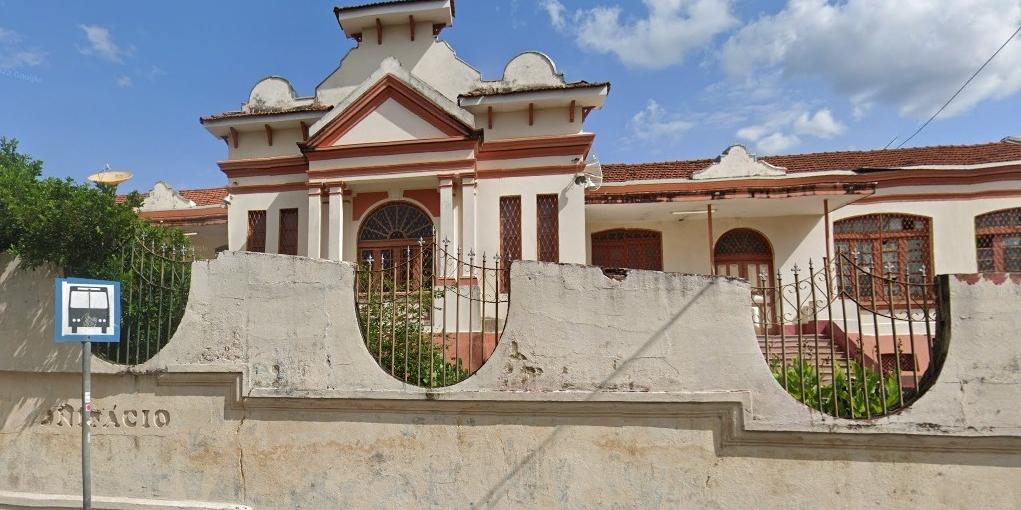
(979, 70)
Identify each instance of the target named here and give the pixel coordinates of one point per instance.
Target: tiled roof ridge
(816, 154)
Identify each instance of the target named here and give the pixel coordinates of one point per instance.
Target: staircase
(788, 346)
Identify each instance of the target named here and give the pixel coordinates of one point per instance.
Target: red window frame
(992, 230)
(256, 240)
(547, 212)
(630, 248)
(288, 240)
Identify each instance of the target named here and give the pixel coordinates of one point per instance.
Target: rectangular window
(510, 235)
(547, 210)
(288, 232)
(256, 231)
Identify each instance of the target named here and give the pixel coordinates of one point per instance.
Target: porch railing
(432, 317)
(847, 341)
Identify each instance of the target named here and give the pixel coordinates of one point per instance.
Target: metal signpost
(86, 311)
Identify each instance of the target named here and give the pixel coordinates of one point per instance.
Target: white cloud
(663, 38)
(912, 54)
(14, 55)
(653, 124)
(125, 82)
(820, 125)
(156, 72)
(776, 142)
(555, 10)
(780, 128)
(101, 45)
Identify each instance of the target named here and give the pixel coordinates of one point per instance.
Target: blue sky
(90, 83)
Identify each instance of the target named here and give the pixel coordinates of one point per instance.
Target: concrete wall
(646, 392)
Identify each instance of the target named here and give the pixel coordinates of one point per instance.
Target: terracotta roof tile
(501, 90)
(822, 161)
(314, 107)
(201, 197)
(338, 9)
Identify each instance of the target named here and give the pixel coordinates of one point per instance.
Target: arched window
(882, 243)
(390, 231)
(998, 241)
(744, 253)
(628, 248)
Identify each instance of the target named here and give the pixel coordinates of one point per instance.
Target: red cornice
(776, 191)
(567, 145)
(391, 148)
(884, 179)
(182, 217)
(389, 87)
(429, 166)
(932, 197)
(287, 165)
(528, 171)
(268, 188)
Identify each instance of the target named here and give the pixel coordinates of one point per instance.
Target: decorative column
(468, 215)
(446, 236)
(712, 252)
(334, 250)
(315, 216)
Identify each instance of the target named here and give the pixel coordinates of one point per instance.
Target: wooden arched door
(744, 253)
(391, 232)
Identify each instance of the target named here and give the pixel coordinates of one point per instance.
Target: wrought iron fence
(428, 316)
(155, 278)
(847, 341)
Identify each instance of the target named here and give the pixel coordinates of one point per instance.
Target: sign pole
(86, 424)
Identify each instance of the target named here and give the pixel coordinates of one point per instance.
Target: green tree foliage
(396, 332)
(865, 394)
(86, 232)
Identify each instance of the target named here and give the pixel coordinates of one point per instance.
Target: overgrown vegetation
(396, 333)
(865, 394)
(84, 231)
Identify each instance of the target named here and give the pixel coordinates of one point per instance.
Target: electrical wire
(966, 83)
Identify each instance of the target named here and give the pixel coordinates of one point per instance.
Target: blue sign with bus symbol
(87, 309)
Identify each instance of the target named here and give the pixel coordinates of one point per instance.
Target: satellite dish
(112, 177)
(593, 173)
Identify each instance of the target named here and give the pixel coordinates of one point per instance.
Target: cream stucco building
(405, 141)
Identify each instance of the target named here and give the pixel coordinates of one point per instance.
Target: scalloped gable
(735, 163)
(392, 105)
(163, 197)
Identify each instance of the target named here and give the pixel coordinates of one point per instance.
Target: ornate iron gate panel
(849, 342)
(431, 317)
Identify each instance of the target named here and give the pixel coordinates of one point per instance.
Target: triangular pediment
(391, 121)
(735, 163)
(390, 109)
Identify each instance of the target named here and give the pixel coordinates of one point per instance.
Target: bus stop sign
(87, 310)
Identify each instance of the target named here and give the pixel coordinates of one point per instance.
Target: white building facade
(404, 141)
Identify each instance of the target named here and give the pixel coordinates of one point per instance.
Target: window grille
(393, 234)
(288, 232)
(396, 220)
(510, 233)
(896, 244)
(256, 231)
(628, 248)
(548, 227)
(998, 241)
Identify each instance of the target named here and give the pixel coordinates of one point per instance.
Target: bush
(396, 335)
(864, 395)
